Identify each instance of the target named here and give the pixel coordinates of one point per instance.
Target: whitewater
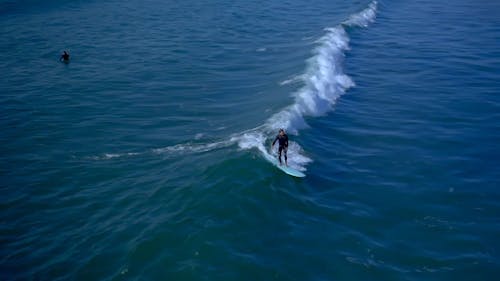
(324, 82)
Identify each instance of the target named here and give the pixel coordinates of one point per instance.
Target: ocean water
(144, 157)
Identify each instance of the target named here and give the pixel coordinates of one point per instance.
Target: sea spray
(324, 79)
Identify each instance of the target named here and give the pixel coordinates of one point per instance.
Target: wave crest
(363, 18)
(325, 81)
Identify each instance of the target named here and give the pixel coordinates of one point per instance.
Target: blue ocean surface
(146, 156)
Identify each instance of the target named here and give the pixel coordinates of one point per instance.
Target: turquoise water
(144, 158)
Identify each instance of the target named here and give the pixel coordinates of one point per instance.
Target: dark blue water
(144, 157)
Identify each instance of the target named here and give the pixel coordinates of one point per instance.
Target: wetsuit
(283, 145)
(64, 57)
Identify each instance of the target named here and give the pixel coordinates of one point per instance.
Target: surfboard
(289, 171)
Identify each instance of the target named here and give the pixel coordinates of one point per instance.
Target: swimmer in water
(64, 57)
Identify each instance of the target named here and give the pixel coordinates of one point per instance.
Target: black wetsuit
(283, 145)
(64, 57)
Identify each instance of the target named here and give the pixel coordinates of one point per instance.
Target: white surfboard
(286, 169)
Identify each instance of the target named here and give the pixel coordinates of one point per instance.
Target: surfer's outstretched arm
(272, 145)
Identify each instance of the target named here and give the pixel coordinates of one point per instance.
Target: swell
(323, 80)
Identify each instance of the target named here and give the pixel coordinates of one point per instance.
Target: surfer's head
(281, 131)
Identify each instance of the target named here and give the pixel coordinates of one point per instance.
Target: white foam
(363, 18)
(257, 140)
(187, 148)
(324, 78)
(112, 155)
(294, 79)
(324, 81)
(250, 140)
(108, 156)
(173, 150)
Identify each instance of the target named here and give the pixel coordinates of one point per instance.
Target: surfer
(64, 57)
(282, 139)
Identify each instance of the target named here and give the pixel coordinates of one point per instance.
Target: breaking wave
(324, 82)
